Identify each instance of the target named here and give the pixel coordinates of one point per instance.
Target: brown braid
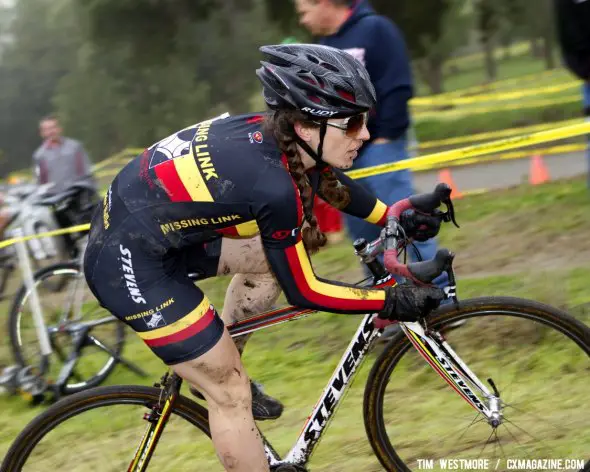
(280, 124)
(333, 191)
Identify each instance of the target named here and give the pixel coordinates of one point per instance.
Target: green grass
(528, 242)
(461, 77)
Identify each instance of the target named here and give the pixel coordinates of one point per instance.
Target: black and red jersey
(227, 177)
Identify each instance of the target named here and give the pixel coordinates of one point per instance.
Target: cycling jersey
(220, 178)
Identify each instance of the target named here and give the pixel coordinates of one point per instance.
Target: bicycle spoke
(500, 445)
(485, 444)
(544, 420)
(515, 440)
(546, 446)
(473, 422)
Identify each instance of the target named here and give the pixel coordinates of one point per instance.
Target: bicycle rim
(539, 359)
(100, 429)
(94, 364)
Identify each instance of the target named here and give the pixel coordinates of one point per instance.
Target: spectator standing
(573, 32)
(377, 43)
(60, 160)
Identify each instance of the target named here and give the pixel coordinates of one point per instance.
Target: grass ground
(528, 241)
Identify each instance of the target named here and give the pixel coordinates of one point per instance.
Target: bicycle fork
(447, 364)
(157, 418)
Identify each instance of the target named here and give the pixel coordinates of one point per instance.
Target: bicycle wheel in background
(73, 305)
(102, 428)
(537, 356)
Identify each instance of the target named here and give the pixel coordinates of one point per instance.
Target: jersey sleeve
(362, 203)
(279, 214)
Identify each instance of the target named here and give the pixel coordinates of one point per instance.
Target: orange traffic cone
(539, 174)
(444, 176)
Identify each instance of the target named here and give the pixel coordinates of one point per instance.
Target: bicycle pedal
(8, 380)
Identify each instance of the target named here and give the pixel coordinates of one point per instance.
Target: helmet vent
(327, 65)
(345, 94)
(313, 59)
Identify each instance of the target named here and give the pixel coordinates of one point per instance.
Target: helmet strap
(316, 156)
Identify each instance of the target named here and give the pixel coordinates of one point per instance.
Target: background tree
(488, 14)
(431, 38)
(173, 63)
(41, 51)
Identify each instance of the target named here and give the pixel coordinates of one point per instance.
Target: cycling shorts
(153, 293)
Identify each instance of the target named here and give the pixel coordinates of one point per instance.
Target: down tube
(332, 394)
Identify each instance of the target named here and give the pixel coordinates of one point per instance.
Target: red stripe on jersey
(255, 119)
(231, 231)
(184, 334)
(168, 176)
(297, 194)
(325, 300)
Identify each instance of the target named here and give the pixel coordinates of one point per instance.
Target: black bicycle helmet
(320, 81)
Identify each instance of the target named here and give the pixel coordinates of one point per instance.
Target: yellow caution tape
(563, 149)
(120, 156)
(497, 96)
(460, 154)
(496, 134)
(508, 107)
(537, 77)
(57, 232)
(107, 173)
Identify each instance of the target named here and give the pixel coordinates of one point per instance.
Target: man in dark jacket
(573, 30)
(376, 42)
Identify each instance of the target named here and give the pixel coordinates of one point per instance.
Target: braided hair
(281, 125)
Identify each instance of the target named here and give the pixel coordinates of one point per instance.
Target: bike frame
(430, 345)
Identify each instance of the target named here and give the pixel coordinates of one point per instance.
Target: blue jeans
(389, 188)
(586, 95)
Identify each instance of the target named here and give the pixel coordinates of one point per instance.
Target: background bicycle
(85, 340)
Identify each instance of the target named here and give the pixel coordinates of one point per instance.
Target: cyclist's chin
(342, 162)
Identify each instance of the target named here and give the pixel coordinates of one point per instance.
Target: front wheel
(72, 306)
(536, 355)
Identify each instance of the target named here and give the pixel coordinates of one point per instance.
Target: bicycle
(153, 410)
(86, 339)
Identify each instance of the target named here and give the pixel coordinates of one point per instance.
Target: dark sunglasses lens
(354, 125)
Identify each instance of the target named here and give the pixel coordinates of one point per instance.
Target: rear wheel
(102, 428)
(539, 359)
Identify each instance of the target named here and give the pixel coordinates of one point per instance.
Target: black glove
(421, 226)
(409, 302)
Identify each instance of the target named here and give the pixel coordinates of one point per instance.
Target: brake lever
(449, 215)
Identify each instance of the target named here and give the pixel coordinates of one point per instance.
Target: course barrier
(462, 154)
(454, 112)
(497, 96)
(473, 138)
(506, 83)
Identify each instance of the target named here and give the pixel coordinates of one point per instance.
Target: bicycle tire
(373, 411)
(76, 404)
(13, 328)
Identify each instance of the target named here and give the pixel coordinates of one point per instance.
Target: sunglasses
(351, 125)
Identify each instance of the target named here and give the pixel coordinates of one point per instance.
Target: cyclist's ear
(305, 130)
